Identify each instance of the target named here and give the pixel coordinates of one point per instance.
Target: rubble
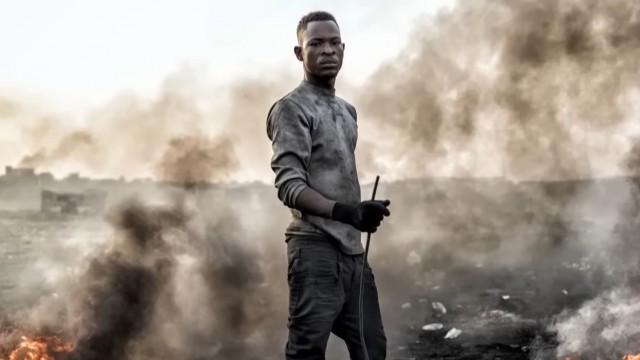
(439, 308)
(504, 312)
(432, 327)
(453, 333)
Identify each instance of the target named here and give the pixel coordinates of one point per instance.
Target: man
(314, 133)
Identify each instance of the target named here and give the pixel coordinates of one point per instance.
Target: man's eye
(313, 43)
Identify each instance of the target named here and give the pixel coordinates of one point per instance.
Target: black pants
(323, 298)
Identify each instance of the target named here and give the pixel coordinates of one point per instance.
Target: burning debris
(168, 273)
(182, 252)
(602, 327)
(40, 348)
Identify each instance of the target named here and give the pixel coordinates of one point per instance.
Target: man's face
(321, 49)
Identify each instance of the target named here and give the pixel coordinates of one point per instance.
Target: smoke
(8, 107)
(73, 145)
(190, 160)
(139, 136)
(605, 327)
(527, 90)
(175, 280)
(250, 101)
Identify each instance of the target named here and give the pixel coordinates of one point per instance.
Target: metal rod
(360, 300)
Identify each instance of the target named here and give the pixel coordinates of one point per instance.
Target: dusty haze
(527, 90)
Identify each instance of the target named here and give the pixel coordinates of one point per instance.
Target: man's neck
(327, 83)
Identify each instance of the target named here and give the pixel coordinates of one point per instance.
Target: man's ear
(298, 51)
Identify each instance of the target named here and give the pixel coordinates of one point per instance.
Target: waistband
(312, 240)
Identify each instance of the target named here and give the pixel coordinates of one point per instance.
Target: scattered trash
(506, 297)
(499, 314)
(564, 291)
(439, 307)
(433, 327)
(453, 333)
(406, 306)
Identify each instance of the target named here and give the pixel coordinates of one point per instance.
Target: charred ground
(509, 262)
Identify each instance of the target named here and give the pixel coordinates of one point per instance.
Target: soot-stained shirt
(314, 135)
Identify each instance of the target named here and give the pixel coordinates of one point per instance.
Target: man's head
(320, 47)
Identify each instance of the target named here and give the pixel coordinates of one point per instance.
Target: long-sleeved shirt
(314, 135)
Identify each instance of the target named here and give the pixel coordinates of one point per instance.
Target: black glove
(365, 216)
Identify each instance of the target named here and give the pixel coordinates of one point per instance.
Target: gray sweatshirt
(314, 135)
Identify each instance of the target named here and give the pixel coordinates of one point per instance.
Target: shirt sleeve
(289, 131)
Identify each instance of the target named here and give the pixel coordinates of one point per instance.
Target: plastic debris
(439, 307)
(406, 305)
(506, 297)
(503, 315)
(453, 333)
(564, 291)
(433, 327)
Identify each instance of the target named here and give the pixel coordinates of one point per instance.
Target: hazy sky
(78, 53)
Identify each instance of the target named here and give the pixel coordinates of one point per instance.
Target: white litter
(453, 333)
(406, 305)
(506, 297)
(503, 315)
(564, 291)
(432, 327)
(438, 306)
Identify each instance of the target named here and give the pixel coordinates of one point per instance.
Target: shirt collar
(318, 89)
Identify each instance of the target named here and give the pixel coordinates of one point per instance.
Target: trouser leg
(346, 325)
(315, 298)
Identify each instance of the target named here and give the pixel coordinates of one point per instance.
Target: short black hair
(313, 16)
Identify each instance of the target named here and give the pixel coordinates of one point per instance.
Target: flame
(40, 348)
(632, 357)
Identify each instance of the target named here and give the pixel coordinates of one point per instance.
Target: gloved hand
(365, 216)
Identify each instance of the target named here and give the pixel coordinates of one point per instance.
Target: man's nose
(327, 49)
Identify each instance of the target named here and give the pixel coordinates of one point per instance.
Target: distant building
(89, 202)
(12, 172)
